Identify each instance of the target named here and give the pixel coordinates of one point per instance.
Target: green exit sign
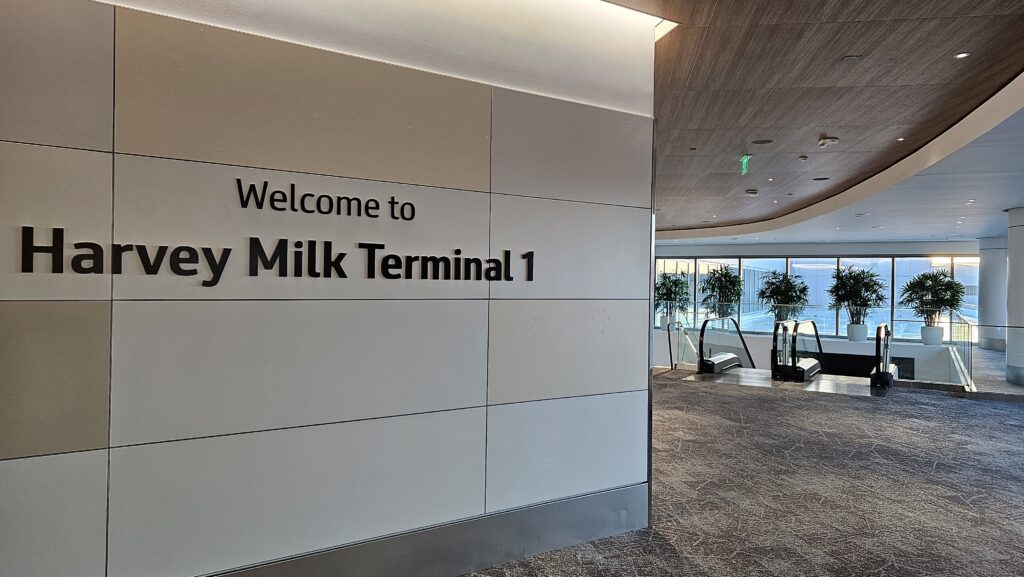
(744, 162)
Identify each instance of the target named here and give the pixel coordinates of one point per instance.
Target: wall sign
(44, 250)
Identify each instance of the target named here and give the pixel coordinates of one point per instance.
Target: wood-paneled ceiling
(867, 72)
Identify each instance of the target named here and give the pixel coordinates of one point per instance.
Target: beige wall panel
(196, 92)
(46, 188)
(54, 382)
(56, 72)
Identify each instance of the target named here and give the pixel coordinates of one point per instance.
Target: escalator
(796, 351)
(797, 356)
(722, 347)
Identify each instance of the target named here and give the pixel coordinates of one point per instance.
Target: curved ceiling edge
(985, 117)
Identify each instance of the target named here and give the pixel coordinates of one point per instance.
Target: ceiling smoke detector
(827, 141)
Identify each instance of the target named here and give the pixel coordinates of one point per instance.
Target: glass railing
(667, 313)
(996, 357)
(682, 343)
(721, 346)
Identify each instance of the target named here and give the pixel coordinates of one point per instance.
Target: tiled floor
(989, 372)
(759, 481)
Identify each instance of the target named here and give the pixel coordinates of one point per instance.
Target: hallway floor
(988, 370)
(752, 481)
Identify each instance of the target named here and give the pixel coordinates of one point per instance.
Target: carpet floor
(752, 481)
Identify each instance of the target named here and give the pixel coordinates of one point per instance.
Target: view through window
(817, 272)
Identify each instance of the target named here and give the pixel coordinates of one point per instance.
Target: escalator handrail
(883, 337)
(746, 349)
(817, 338)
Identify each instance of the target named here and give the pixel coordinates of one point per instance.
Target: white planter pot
(857, 333)
(931, 335)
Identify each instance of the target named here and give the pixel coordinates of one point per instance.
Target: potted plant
(930, 294)
(722, 289)
(671, 296)
(784, 293)
(858, 291)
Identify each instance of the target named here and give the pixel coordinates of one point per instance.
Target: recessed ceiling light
(878, 227)
(821, 178)
(954, 234)
(837, 228)
(751, 192)
(775, 202)
(852, 57)
(693, 148)
(714, 216)
(771, 180)
(862, 214)
(900, 139)
(789, 194)
(802, 157)
(762, 141)
(961, 55)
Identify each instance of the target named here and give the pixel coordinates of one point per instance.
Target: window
(907, 325)
(704, 266)
(755, 316)
(680, 266)
(876, 316)
(965, 270)
(817, 273)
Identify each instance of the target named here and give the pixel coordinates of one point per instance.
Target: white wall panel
(549, 349)
(556, 149)
(584, 50)
(545, 450)
(53, 515)
(46, 187)
(181, 369)
(57, 66)
(581, 250)
(173, 202)
(192, 507)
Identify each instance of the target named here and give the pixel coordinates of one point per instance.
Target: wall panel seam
(365, 419)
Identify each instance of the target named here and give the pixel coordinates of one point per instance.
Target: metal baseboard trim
(474, 544)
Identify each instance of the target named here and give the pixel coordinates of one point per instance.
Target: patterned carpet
(755, 481)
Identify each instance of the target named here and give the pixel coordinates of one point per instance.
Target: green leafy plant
(784, 293)
(932, 293)
(722, 289)
(858, 291)
(671, 293)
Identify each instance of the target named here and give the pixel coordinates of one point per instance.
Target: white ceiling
(924, 207)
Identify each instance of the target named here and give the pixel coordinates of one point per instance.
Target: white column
(1015, 302)
(992, 293)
